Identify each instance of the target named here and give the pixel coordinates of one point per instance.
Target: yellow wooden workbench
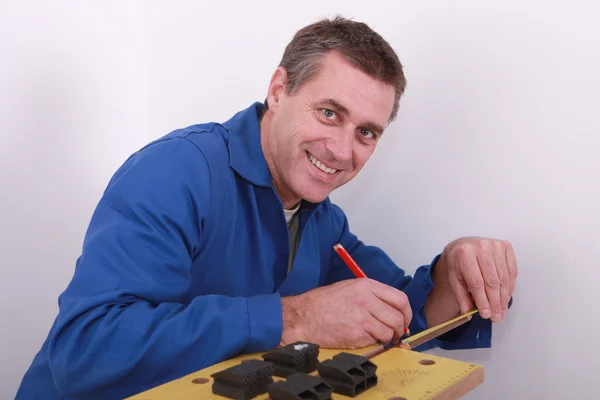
(402, 375)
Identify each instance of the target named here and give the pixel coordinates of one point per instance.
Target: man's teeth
(320, 165)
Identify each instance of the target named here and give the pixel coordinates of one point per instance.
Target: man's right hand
(348, 314)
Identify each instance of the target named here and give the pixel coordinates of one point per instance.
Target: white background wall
(498, 136)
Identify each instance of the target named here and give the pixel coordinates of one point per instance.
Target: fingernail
(486, 313)
(406, 330)
(496, 317)
(503, 314)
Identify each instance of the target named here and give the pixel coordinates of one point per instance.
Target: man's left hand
(484, 268)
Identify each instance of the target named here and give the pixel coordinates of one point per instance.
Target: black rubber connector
(300, 386)
(243, 381)
(349, 374)
(295, 357)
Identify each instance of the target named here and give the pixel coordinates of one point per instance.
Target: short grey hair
(356, 41)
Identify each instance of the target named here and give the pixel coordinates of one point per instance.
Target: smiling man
(318, 139)
(217, 239)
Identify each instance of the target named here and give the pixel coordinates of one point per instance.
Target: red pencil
(349, 261)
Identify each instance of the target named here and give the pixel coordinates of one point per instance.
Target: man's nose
(340, 145)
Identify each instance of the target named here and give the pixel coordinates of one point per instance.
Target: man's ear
(277, 87)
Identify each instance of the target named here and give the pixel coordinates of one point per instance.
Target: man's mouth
(320, 164)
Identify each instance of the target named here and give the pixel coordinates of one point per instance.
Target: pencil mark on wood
(390, 381)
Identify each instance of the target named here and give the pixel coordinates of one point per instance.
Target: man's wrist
(441, 302)
(444, 282)
(440, 276)
(293, 318)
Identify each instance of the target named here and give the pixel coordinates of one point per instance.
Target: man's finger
(390, 317)
(511, 261)
(503, 278)
(358, 337)
(492, 284)
(463, 297)
(396, 299)
(380, 331)
(471, 272)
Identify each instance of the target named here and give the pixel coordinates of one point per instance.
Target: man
(217, 239)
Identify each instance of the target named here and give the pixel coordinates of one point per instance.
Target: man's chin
(315, 196)
(314, 191)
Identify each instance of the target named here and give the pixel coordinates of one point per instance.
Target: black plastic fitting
(243, 381)
(295, 357)
(300, 386)
(349, 374)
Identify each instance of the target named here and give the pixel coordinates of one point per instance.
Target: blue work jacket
(184, 265)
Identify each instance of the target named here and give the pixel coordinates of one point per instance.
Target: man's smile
(317, 163)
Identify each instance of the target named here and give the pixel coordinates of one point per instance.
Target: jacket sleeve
(122, 326)
(377, 265)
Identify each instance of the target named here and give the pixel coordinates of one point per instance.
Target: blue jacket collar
(245, 152)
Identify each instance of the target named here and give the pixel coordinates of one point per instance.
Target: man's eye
(328, 113)
(366, 133)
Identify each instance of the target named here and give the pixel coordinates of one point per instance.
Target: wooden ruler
(403, 374)
(426, 335)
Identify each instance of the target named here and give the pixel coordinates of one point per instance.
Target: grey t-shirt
(293, 222)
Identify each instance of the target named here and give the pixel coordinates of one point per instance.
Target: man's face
(320, 137)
